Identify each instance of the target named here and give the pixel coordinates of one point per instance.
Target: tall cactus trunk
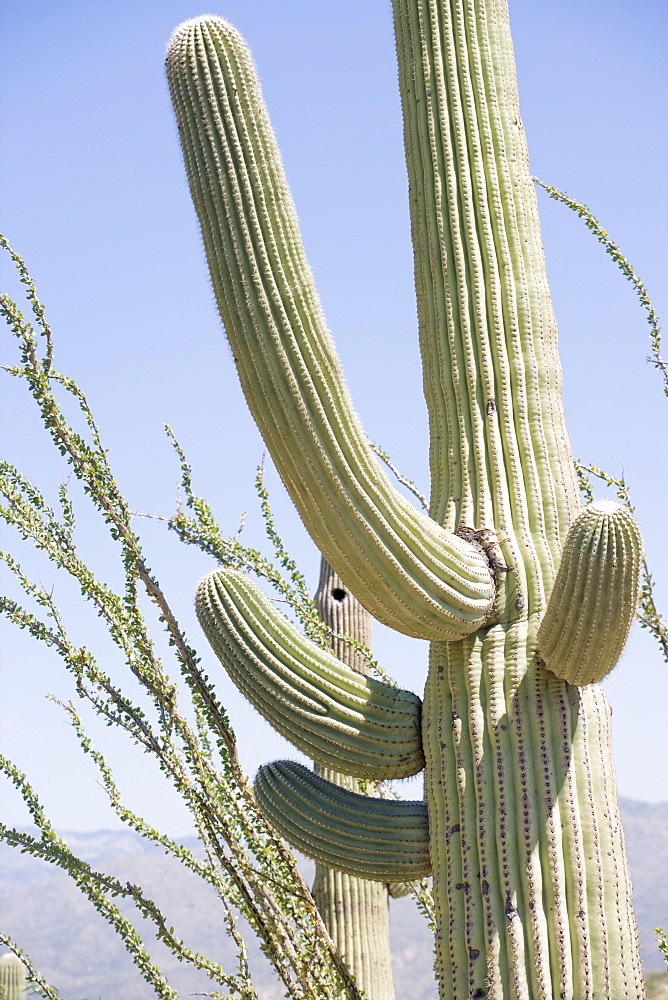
(532, 890)
(355, 910)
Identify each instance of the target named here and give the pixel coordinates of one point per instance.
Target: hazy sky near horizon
(94, 196)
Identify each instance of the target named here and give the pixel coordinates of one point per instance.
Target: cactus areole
(524, 839)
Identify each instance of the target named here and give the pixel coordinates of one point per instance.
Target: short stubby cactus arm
(595, 595)
(406, 569)
(385, 840)
(340, 718)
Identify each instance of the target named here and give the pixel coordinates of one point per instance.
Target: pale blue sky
(94, 196)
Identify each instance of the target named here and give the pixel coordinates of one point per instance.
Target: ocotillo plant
(355, 911)
(531, 885)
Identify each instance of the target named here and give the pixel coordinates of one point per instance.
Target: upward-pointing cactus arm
(402, 566)
(499, 451)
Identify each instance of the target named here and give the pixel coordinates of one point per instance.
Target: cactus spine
(531, 884)
(12, 978)
(356, 911)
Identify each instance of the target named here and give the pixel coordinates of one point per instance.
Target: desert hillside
(78, 953)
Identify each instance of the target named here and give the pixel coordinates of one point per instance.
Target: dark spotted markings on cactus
(531, 885)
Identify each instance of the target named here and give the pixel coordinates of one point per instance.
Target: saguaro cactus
(523, 834)
(12, 978)
(355, 911)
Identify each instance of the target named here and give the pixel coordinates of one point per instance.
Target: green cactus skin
(345, 619)
(12, 978)
(379, 839)
(325, 708)
(355, 911)
(595, 595)
(531, 884)
(411, 573)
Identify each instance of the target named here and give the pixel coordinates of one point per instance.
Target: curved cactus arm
(408, 571)
(380, 839)
(326, 709)
(595, 595)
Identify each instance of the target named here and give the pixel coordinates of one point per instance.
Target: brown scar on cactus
(489, 543)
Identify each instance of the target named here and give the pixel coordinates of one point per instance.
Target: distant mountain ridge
(73, 947)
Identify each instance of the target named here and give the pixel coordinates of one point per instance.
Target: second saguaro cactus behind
(12, 978)
(355, 911)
